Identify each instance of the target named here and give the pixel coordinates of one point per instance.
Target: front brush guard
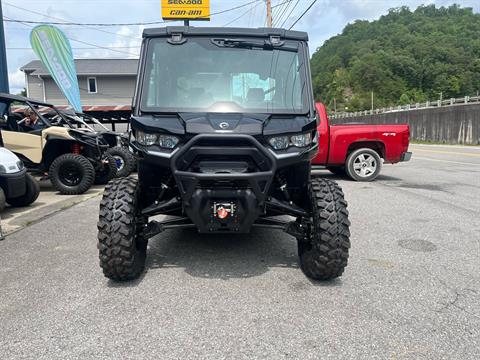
(259, 181)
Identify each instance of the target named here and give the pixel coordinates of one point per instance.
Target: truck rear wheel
(122, 247)
(324, 253)
(363, 165)
(71, 174)
(31, 193)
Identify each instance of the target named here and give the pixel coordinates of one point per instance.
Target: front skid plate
(294, 228)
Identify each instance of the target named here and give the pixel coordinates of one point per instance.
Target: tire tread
(120, 258)
(326, 255)
(85, 184)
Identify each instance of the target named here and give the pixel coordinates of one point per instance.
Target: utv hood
(235, 123)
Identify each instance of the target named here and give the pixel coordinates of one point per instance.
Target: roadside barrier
(456, 124)
(409, 107)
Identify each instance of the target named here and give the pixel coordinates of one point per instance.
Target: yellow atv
(73, 159)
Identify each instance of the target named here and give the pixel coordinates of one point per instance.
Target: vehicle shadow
(328, 175)
(222, 256)
(47, 187)
(382, 177)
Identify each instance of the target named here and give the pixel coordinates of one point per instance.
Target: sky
(325, 19)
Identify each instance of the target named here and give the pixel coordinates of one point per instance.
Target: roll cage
(34, 105)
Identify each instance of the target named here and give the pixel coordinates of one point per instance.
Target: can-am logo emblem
(224, 125)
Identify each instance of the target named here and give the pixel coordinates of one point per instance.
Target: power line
(103, 47)
(291, 12)
(87, 43)
(77, 24)
(285, 2)
(125, 24)
(80, 48)
(253, 15)
(282, 12)
(303, 14)
(242, 15)
(274, 14)
(57, 18)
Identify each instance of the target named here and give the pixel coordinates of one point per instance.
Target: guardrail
(417, 106)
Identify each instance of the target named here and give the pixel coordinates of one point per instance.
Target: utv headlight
(146, 139)
(279, 142)
(167, 141)
(301, 140)
(164, 141)
(3, 170)
(283, 142)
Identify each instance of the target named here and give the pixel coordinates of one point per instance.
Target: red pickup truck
(358, 149)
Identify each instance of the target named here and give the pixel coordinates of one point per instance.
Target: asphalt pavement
(49, 202)
(411, 290)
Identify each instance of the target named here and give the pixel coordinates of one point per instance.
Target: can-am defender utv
(73, 159)
(224, 124)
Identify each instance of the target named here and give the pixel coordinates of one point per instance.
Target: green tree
(404, 56)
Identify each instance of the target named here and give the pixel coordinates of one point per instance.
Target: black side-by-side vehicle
(224, 124)
(117, 142)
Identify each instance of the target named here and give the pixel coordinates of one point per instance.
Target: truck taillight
(406, 138)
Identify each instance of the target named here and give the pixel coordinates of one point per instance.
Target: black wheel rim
(70, 174)
(119, 162)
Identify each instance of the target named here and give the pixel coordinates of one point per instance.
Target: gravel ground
(411, 289)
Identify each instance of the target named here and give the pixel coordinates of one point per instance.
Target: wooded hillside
(403, 57)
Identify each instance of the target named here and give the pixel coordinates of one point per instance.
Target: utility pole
(269, 13)
(372, 100)
(3, 57)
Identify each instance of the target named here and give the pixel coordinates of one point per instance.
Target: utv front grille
(222, 161)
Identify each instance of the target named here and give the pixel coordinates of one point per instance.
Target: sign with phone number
(186, 9)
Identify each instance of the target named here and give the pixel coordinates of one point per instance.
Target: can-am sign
(186, 9)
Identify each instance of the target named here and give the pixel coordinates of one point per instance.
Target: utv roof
(225, 31)
(9, 98)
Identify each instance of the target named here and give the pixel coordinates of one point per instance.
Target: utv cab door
(14, 138)
(27, 144)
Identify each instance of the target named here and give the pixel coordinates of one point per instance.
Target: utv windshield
(203, 75)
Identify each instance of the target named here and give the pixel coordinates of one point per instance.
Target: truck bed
(337, 141)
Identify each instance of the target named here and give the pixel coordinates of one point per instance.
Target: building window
(92, 85)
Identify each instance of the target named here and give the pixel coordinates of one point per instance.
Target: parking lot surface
(411, 290)
(49, 202)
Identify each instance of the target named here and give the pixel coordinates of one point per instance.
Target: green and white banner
(54, 50)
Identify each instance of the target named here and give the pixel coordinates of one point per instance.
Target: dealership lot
(49, 202)
(411, 290)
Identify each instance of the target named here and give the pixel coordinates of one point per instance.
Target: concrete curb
(22, 220)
